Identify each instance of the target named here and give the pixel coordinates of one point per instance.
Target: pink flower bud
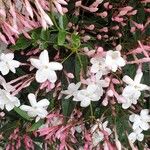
(99, 37)
(78, 3)
(118, 47)
(110, 93)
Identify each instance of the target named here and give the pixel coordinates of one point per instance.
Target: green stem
(67, 57)
(92, 114)
(54, 21)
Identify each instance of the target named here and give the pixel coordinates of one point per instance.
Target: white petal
(114, 67)
(132, 117)
(41, 75)
(140, 137)
(55, 66)
(95, 68)
(121, 62)
(52, 77)
(143, 87)
(138, 77)
(43, 103)
(44, 58)
(3, 68)
(126, 105)
(32, 99)
(9, 106)
(92, 88)
(32, 113)
(42, 113)
(62, 2)
(36, 63)
(132, 137)
(128, 80)
(26, 108)
(144, 126)
(10, 56)
(85, 103)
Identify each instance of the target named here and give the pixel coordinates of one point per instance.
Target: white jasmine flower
(136, 82)
(37, 109)
(46, 70)
(140, 121)
(97, 137)
(131, 96)
(8, 101)
(91, 93)
(132, 92)
(97, 134)
(5, 85)
(114, 60)
(136, 135)
(72, 90)
(8, 64)
(98, 65)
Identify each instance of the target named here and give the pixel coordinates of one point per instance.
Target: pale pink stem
(144, 52)
(143, 60)
(25, 64)
(22, 86)
(19, 78)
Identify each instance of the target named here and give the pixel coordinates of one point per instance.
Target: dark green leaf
(61, 37)
(21, 44)
(22, 113)
(36, 125)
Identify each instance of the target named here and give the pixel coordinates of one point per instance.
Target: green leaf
(36, 125)
(75, 41)
(22, 113)
(67, 106)
(45, 35)
(21, 44)
(61, 37)
(63, 22)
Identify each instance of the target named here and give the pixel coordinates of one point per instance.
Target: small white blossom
(91, 93)
(131, 96)
(140, 121)
(8, 64)
(72, 90)
(136, 135)
(46, 70)
(132, 91)
(96, 130)
(37, 109)
(97, 137)
(6, 85)
(8, 101)
(136, 82)
(99, 66)
(114, 60)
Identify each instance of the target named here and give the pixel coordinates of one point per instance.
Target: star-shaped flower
(141, 121)
(136, 135)
(46, 70)
(72, 90)
(8, 64)
(132, 91)
(37, 109)
(114, 60)
(8, 101)
(91, 93)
